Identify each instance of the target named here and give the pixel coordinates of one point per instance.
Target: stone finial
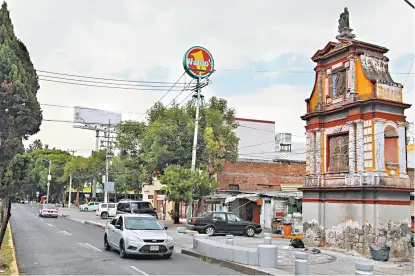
(344, 26)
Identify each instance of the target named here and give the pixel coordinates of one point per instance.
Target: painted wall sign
(388, 92)
(198, 61)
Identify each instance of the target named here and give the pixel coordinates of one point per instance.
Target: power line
(410, 68)
(102, 82)
(68, 106)
(101, 78)
(105, 86)
(164, 94)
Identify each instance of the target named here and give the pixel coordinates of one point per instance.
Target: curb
(247, 270)
(13, 267)
(288, 237)
(95, 224)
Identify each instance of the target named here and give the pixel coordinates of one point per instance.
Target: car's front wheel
(167, 256)
(250, 231)
(104, 215)
(107, 246)
(123, 254)
(85, 209)
(210, 230)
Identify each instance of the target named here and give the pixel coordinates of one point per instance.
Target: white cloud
(106, 38)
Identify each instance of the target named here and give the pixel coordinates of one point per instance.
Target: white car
(48, 210)
(106, 210)
(135, 234)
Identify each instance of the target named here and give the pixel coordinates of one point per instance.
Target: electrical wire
(105, 86)
(102, 82)
(100, 78)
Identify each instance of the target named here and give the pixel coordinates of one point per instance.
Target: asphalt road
(63, 246)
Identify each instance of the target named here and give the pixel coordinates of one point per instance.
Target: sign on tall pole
(199, 64)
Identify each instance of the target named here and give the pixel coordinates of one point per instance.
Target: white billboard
(90, 116)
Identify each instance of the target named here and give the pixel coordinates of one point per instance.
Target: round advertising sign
(198, 62)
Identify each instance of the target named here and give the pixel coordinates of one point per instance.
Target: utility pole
(70, 182)
(194, 148)
(107, 161)
(49, 179)
(94, 180)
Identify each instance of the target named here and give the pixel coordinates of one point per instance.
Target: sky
(262, 51)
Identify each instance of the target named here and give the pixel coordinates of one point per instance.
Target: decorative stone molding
(336, 129)
(359, 146)
(312, 152)
(318, 152)
(352, 148)
(402, 149)
(379, 143)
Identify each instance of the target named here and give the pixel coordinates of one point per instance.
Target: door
(235, 224)
(268, 214)
(220, 222)
(118, 232)
(111, 230)
(111, 209)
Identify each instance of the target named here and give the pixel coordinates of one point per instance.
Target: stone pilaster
(379, 143)
(352, 148)
(320, 90)
(318, 152)
(352, 76)
(312, 152)
(360, 150)
(402, 149)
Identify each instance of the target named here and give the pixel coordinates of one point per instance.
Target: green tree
(181, 183)
(36, 145)
(78, 168)
(167, 138)
(20, 113)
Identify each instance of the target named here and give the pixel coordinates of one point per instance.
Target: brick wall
(261, 175)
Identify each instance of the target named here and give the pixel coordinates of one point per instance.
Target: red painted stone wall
(260, 175)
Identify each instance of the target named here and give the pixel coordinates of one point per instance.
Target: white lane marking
(139, 270)
(41, 220)
(93, 247)
(49, 224)
(65, 233)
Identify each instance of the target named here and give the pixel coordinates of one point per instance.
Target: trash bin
(287, 229)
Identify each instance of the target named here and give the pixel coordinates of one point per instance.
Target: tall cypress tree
(20, 113)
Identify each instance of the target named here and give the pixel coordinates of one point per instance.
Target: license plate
(154, 248)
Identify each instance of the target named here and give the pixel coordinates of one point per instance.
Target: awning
(251, 197)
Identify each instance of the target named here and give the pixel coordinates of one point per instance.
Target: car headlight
(134, 239)
(169, 239)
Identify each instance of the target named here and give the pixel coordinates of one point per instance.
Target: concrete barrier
(95, 224)
(268, 255)
(364, 268)
(267, 240)
(265, 255)
(229, 239)
(301, 263)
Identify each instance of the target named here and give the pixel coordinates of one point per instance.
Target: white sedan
(134, 234)
(48, 210)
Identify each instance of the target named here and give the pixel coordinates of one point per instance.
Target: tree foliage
(167, 138)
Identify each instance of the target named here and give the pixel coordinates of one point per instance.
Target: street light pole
(194, 148)
(107, 162)
(70, 183)
(49, 179)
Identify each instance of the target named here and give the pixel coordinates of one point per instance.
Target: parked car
(135, 206)
(90, 206)
(135, 234)
(223, 222)
(106, 210)
(48, 210)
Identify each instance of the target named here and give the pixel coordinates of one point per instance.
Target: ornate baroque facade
(356, 165)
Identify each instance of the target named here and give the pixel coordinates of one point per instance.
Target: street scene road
(63, 246)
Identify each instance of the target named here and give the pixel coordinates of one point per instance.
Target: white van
(106, 210)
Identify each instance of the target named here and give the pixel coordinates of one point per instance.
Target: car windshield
(141, 205)
(48, 206)
(203, 215)
(140, 223)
